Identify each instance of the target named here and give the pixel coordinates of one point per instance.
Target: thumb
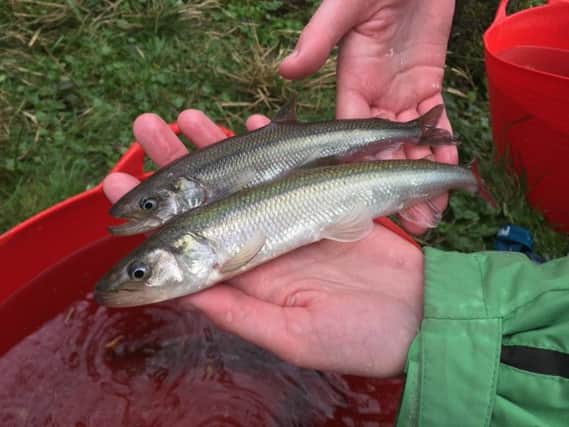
(329, 24)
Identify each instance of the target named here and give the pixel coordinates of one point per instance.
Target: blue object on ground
(513, 238)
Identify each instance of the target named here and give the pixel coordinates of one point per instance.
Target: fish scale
(292, 211)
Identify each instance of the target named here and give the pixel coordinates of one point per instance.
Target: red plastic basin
(527, 64)
(53, 260)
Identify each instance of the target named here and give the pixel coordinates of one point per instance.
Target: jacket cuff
(453, 362)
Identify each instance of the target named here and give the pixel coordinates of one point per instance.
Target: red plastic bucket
(53, 260)
(527, 64)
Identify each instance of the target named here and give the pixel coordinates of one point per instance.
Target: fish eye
(138, 271)
(148, 203)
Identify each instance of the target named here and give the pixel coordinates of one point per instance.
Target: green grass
(75, 74)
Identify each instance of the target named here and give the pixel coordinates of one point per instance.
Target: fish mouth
(105, 298)
(126, 295)
(135, 226)
(113, 299)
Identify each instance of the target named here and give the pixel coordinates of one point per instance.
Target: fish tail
(430, 133)
(431, 117)
(436, 136)
(481, 187)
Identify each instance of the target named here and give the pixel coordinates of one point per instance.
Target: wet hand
(390, 64)
(345, 307)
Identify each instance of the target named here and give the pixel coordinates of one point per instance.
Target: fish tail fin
(436, 136)
(430, 133)
(481, 186)
(431, 117)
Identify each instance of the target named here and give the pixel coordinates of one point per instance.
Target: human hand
(390, 64)
(352, 308)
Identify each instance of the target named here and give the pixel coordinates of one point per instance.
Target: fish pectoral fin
(245, 253)
(287, 113)
(351, 227)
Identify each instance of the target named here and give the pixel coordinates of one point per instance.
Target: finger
(257, 121)
(351, 104)
(158, 140)
(199, 128)
(118, 183)
(352, 100)
(413, 228)
(443, 154)
(446, 153)
(328, 25)
(417, 219)
(427, 213)
(254, 320)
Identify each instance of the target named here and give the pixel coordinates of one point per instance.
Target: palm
(324, 294)
(399, 72)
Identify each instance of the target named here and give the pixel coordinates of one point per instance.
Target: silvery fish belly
(217, 241)
(244, 161)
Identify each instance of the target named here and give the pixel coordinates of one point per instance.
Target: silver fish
(220, 240)
(247, 160)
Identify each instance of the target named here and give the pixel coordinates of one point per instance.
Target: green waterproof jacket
(493, 348)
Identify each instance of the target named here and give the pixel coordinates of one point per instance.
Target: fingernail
(293, 54)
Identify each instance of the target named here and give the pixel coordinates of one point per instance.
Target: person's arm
(493, 347)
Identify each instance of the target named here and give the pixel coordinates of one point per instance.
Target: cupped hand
(352, 308)
(390, 64)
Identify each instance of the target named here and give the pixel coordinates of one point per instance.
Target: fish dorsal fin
(354, 225)
(287, 113)
(245, 253)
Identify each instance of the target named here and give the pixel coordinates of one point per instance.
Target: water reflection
(161, 366)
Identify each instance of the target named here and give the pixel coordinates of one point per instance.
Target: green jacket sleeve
(493, 347)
